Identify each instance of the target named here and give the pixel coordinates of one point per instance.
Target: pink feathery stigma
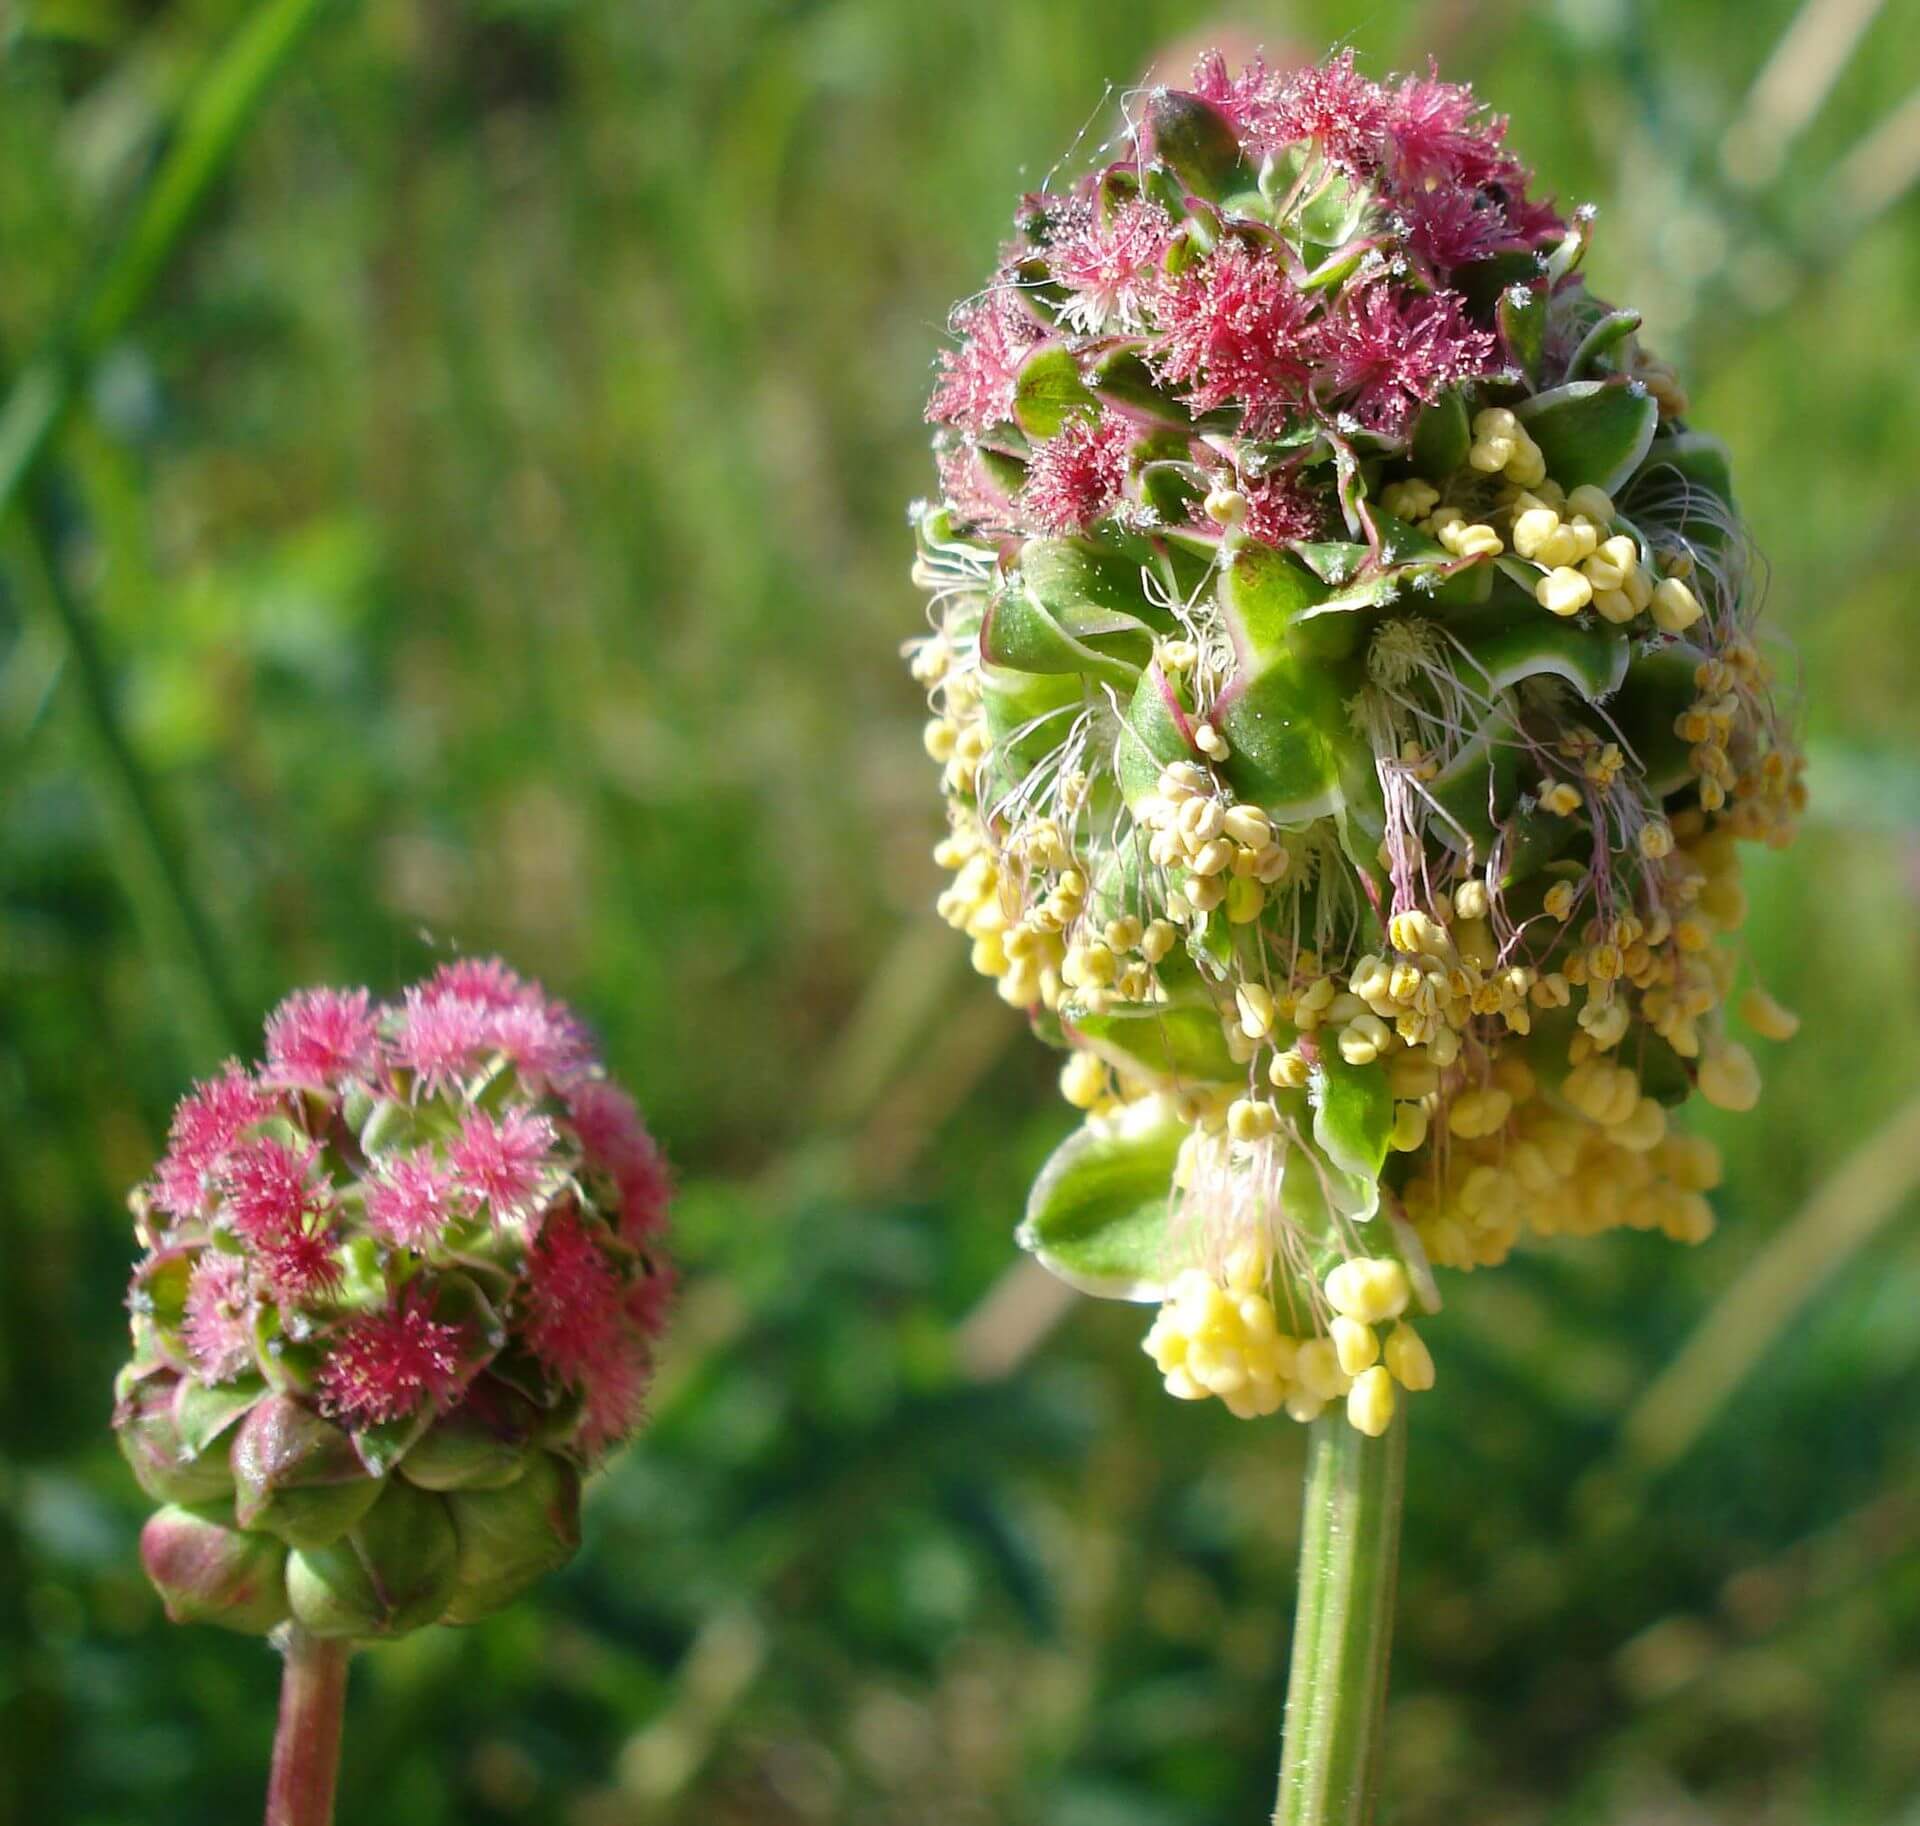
(574, 1313)
(616, 1397)
(1236, 334)
(385, 1364)
(486, 980)
(1441, 133)
(1336, 107)
(1384, 358)
(441, 1037)
(544, 1041)
(968, 487)
(1279, 510)
(1448, 226)
(219, 1317)
(205, 1125)
(412, 1200)
(976, 385)
(1076, 476)
(273, 1202)
(501, 1161)
(317, 1039)
(1251, 100)
(1112, 267)
(616, 1141)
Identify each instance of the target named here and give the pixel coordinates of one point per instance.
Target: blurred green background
(493, 531)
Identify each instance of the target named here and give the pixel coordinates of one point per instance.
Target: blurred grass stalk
(217, 112)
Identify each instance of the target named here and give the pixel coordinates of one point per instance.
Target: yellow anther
(1472, 539)
(1418, 934)
(1644, 1130)
(1371, 1289)
(1594, 502)
(1477, 1113)
(1370, 1402)
(1675, 608)
(1316, 1368)
(1246, 899)
(1211, 742)
(1562, 798)
(1409, 1127)
(1254, 1002)
(1407, 1358)
(1364, 1039)
(1563, 591)
(1410, 500)
(1354, 1344)
(1289, 1071)
(940, 736)
(1470, 899)
(1083, 1081)
(1614, 606)
(1559, 901)
(1729, 1079)
(1157, 940)
(1656, 839)
(1176, 655)
(1532, 529)
(1767, 1017)
(1226, 506)
(1250, 1119)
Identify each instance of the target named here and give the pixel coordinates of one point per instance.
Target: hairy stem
(306, 1747)
(1343, 1623)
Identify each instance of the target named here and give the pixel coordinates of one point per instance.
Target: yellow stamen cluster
(1222, 1337)
(1502, 446)
(1230, 854)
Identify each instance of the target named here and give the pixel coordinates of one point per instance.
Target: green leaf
(1352, 1115)
(1019, 633)
(1048, 391)
(1098, 1214)
(1263, 590)
(1510, 642)
(202, 1413)
(1120, 377)
(1591, 431)
(1442, 437)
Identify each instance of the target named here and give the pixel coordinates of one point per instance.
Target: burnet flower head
(1346, 689)
(401, 1287)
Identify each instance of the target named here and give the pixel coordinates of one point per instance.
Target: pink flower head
(441, 1038)
(1440, 133)
(274, 1202)
(1251, 100)
(1384, 357)
(317, 1039)
(486, 980)
(1076, 476)
(412, 1201)
(616, 1142)
(1236, 333)
(574, 1314)
(205, 1125)
(219, 1317)
(975, 390)
(1280, 509)
(500, 1161)
(968, 488)
(1449, 225)
(1112, 267)
(546, 1044)
(1337, 108)
(383, 1365)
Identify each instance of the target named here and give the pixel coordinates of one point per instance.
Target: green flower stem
(1343, 1623)
(306, 1747)
(151, 867)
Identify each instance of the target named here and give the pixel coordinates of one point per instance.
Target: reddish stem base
(306, 1747)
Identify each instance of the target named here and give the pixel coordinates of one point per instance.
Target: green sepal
(160, 1292)
(202, 1411)
(148, 1433)
(1098, 1215)
(1509, 643)
(1659, 688)
(1121, 377)
(1522, 317)
(1026, 715)
(1591, 431)
(394, 1573)
(1174, 1043)
(1333, 561)
(510, 1537)
(1048, 391)
(1196, 142)
(208, 1571)
(1155, 733)
(481, 1445)
(1021, 634)
(296, 1475)
(1352, 1115)
(1441, 437)
(1607, 334)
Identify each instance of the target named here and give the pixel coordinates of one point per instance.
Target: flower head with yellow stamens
(1345, 685)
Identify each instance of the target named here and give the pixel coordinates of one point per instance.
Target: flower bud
(511, 1536)
(392, 1573)
(208, 1571)
(297, 1475)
